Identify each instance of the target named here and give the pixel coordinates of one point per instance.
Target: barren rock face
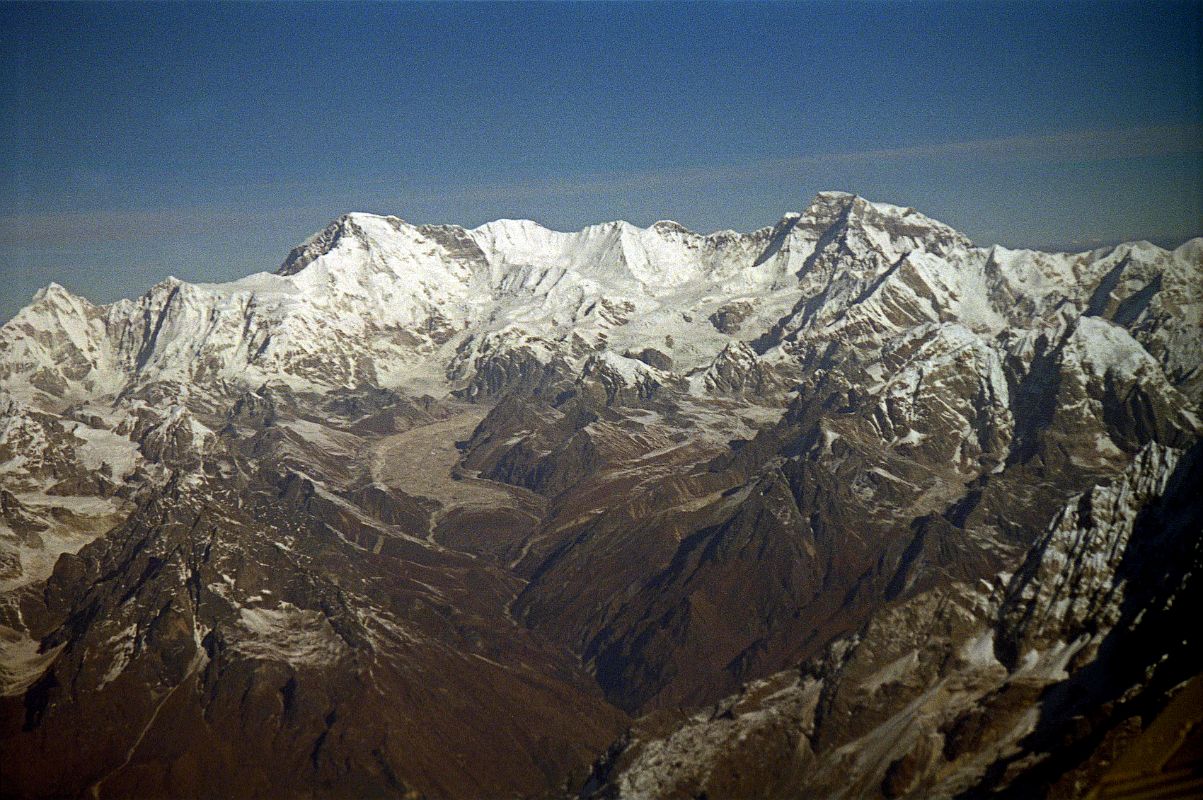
(842, 507)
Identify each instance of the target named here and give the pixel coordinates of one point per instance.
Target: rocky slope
(1024, 684)
(433, 510)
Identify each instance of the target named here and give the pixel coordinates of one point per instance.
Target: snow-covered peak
(616, 254)
(504, 225)
(904, 228)
(833, 198)
(51, 291)
(671, 227)
(54, 308)
(316, 245)
(372, 297)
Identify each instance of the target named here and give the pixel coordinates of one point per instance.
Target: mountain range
(843, 507)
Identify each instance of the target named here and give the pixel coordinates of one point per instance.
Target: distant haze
(204, 141)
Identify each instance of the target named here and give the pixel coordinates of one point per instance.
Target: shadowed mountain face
(442, 512)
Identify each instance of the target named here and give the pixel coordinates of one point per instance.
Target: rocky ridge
(973, 687)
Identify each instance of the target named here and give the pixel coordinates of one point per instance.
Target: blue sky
(140, 140)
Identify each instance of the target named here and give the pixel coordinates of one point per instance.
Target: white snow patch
(287, 633)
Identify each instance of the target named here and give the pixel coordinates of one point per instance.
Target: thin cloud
(115, 225)
(1089, 145)
(1066, 146)
(1062, 147)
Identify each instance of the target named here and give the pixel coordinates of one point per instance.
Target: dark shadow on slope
(1163, 559)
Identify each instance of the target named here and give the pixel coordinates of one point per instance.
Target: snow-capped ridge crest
(375, 298)
(350, 224)
(315, 246)
(897, 222)
(52, 302)
(510, 241)
(51, 289)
